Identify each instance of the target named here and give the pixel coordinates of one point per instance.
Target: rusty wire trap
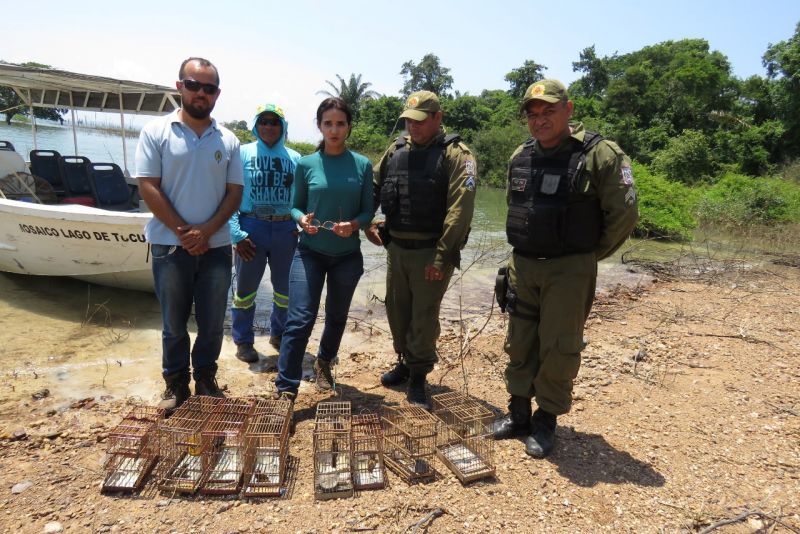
(369, 471)
(132, 449)
(409, 436)
(180, 443)
(222, 444)
(333, 476)
(463, 442)
(266, 448)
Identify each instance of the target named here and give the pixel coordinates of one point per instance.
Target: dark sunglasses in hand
(267, 121)
(194, 86)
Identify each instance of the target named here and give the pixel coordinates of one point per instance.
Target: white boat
(100, 246)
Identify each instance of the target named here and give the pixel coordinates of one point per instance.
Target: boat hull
(100, 246)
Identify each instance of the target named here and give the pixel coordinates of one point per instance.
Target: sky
(284, 52)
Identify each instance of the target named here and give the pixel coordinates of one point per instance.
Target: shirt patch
(626, 176)
(218, 156)
(630, 197)
(469, 185)
(469, 166)
(518, 184)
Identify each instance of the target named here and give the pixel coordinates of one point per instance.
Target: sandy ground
(687, 413)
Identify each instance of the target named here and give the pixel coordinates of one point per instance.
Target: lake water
(99, 147)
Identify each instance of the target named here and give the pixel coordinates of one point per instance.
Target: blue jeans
(180, 280)
(275, 243)
(306, 279)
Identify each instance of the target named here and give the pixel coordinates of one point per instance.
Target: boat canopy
(51, 88)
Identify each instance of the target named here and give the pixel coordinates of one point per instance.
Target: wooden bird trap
(333, 474)
(463, 442)
(266, 448)
(409, 437)
(180, 442)
(222, 447)
(369, 471)
(132, 449)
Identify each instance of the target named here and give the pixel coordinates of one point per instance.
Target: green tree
(782, 61)
(12, 104)
(353, 91)
(465, 114)
(522, 77)
(428, 75)
(493, 148)
(595, 74)
(687, 158)
(381, 114)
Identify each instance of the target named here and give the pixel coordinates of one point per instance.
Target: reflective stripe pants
(275, 244)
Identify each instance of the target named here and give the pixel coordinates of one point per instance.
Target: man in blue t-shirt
(190, 176)
(263, 230)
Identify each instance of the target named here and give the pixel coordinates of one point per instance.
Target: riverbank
(687, 412)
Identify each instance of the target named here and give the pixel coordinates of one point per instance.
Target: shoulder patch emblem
(518, 184)
(626, 176)
(469, 185)
(469, 166)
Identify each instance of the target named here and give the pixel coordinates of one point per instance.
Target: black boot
(397, 375)
(176, 392)
(517, 422)
(543, 434)
(416, 394)
(205, 382)
(246, 353)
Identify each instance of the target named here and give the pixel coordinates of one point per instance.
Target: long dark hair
(328, 104)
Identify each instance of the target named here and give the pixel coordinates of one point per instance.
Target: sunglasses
(194, 86)
(266, 121)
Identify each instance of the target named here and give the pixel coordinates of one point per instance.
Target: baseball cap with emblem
(419, 104)
(551, 91)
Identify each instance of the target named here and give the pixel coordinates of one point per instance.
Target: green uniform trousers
(412, 305)
(545, 329)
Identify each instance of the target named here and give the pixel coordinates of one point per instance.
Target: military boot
(176, 392)
(397, 375)
(205, 382)
(246, 353)
(543, 434)
(416, 394)
(517, 422)
(324, 372)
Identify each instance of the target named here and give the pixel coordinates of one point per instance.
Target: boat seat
(6, 145)
(110, 189)
(76, 180)
(47, 164)
(10, 162)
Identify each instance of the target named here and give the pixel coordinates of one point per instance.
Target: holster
(383, 233)
(501, 288)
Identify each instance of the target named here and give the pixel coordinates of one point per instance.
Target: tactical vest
(414, 192)
(549, 214)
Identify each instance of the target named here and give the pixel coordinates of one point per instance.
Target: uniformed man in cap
(425, 185)
(571, 203)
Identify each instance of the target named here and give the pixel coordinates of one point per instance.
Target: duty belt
(273, 218)
(415, 243)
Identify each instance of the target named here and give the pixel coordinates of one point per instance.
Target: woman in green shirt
(332, 200)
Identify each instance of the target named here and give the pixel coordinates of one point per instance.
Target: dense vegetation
(709, 147)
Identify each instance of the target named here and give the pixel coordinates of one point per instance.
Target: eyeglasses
(327, 225)
(266, 121)
(194, 86)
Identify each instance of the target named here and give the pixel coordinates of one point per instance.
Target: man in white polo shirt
(190, 176)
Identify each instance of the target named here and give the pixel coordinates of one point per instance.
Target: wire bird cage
(369, 471)
(132, 449)
(333, 475)
(222, 444)
(409, 437)
(180, 443)
(266, 448)
(463, 442)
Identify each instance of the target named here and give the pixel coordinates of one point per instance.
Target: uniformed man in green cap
(425, 185)
(571, 203)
